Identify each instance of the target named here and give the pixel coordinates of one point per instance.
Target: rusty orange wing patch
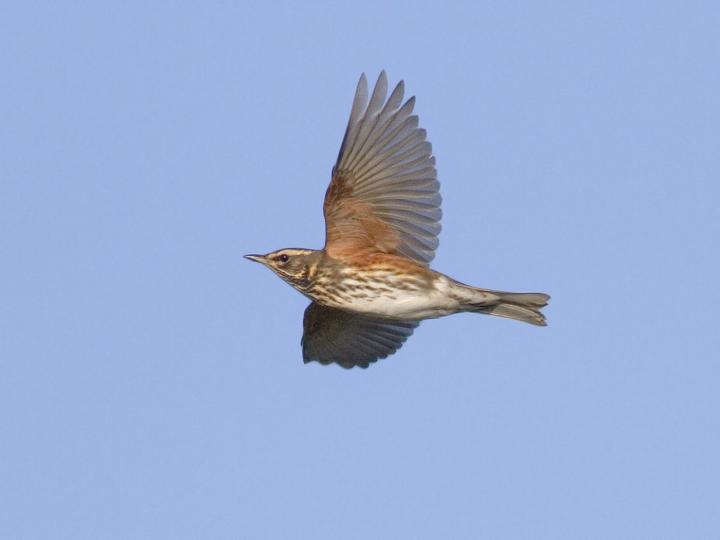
(384, 195)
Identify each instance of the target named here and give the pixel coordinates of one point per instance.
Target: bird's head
(292, 265)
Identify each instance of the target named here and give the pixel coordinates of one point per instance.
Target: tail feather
(523, 307)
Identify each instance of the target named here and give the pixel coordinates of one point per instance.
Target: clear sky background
(151, 381)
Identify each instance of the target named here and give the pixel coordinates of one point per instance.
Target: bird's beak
(257, 258)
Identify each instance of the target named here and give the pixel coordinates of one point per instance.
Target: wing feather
(350, 340)
(384, 195)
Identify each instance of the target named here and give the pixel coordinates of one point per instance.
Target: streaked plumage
(371, 284)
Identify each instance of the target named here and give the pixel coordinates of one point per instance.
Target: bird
(371, 284)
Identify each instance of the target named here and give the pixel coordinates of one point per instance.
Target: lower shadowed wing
(335, 336)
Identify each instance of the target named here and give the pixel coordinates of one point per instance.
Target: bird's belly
(408, 307)
(400, 304)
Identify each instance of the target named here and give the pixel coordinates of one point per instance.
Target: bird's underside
(376, 310)
(371, 284)
(374, 330)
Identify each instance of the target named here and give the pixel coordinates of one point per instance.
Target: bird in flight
(371, 285)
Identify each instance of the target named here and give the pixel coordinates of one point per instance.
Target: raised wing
(384, 195)
(335, 336)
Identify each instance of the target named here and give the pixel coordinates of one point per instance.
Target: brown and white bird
(371, 284)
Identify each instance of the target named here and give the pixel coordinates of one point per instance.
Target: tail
(523, 307)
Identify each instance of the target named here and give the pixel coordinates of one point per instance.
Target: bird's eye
(283, 258)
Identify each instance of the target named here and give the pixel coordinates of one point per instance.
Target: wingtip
(410, 104)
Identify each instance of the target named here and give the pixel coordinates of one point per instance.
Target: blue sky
(152, 383)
